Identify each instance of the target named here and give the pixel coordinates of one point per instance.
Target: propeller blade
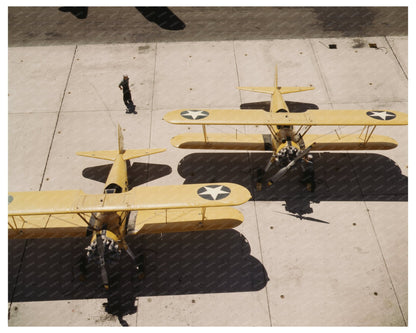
(100, 249)
(269, 164)
(285, 169)
(282, 172)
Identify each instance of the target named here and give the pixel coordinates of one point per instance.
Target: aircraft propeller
(285, 169)
(101, 250)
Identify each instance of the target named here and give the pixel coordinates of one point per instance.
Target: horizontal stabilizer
(264, 90)
(288, 90)
(185, 220)
(135, 153)
(111, 155)
(271, 90)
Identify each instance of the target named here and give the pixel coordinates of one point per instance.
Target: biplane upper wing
(139, 198)
(53, 214)
(308, 118)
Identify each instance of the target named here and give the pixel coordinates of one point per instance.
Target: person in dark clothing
(124, 85)
(308, 173)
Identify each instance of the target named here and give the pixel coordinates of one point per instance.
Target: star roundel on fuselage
(214, 192)
(381, 115)
(194, 114)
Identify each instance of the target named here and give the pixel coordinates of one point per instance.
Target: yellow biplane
(106, 217)
(287, 144)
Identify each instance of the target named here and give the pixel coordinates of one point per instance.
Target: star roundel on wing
(214, 192)
(194, 114)
(381, 115)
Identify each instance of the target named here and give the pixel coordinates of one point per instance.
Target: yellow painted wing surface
(66, 213)
(333, 142)
(263, 142)
(139, 198)
(309, 117)
(226, 141)
(48, 226)
(185, 220)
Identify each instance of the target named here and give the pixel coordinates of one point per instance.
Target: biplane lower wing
(223, 141)
(69, 211)
(333, 142)
(145, 222)
(263, 142)
(184, 220)
(307, 118)
(48, 226)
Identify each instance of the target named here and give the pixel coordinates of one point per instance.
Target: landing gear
(103, 248)
(259, 177)
(98, 251)
(139, 263)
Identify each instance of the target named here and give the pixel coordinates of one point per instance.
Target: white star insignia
(383, 115)
(214, 191)
(194, 114)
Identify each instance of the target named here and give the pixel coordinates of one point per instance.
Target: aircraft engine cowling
(286, 155)
(110, 244)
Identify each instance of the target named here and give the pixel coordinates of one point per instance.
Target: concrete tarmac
(335, 257)
(84, 25)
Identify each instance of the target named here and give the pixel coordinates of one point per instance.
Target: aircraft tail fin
(120, 139)
(275, 77)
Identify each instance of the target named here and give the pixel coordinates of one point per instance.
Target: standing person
(308, 173)
(124, 85)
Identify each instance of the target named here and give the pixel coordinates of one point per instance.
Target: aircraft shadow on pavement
(338, 177)
(162, 16)
(175, 264)
(138, 173)
(293, 106)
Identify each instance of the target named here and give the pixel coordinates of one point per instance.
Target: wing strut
(367, 136)
(307, 128)
(205, 133)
